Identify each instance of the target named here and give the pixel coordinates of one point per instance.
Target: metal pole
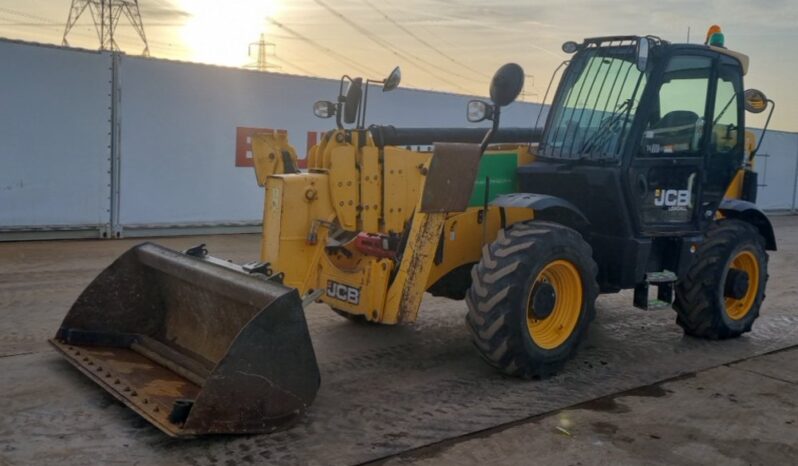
(795, 178)
(116, 132)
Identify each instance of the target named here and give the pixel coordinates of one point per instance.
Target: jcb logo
(343, 292)
(672, 197)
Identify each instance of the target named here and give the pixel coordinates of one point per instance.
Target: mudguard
(546, 207)
(749, 212)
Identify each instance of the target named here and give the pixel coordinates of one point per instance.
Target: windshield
(596, 104)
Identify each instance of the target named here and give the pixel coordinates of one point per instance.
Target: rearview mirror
(478, 110)
(324, 109)
(506, 84)
(755, 101)
(643, 47)
(392, 81)
(352, 100)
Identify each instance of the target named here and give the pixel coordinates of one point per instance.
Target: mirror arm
(495, 127)
(341, 85)
(339, 106)
(362, 117)
(338, 110)
(764, 131)
(361, 114)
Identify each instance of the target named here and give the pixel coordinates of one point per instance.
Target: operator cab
(643, 137)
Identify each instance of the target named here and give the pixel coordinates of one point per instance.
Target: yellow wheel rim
(554, 330)
(746, 262)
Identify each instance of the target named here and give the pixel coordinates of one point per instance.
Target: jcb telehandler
(643, 175)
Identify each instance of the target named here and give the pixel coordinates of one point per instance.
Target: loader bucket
(194, 347)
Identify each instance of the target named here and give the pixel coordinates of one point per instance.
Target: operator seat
(676, 119)
(675, 132)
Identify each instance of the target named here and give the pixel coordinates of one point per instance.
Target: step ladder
(664, 282)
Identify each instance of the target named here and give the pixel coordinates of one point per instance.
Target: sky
(446, 45)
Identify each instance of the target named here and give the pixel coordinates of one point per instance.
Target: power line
(33, 24)
(387, 46)
(24, 14)
(342, 58)
(165, 46)
(295, 66)
(42, 21)
(421, 40)
(61, 24)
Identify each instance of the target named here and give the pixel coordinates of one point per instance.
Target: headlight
(324, 109)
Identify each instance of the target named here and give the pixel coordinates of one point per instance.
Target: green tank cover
(501, 168)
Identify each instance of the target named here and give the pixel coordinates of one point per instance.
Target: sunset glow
(220, 32)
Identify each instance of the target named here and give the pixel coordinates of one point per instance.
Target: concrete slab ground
(735, 414)
(389, 391)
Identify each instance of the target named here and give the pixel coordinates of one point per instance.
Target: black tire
(498, 300)
(700, 302)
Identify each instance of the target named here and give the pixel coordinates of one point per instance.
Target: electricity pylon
(261, 64)
(106, 15)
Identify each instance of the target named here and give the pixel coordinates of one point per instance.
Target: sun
(219, 32)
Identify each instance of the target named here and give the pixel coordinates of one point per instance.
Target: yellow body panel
(267, 154)
(464, 236)
(366, 189)
(344, 186)
(403, 183)
(404, 295)
(369, 276)
(370, 189)
(735, 189)
(294, 203)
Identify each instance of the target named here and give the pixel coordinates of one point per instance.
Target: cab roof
(628, 40)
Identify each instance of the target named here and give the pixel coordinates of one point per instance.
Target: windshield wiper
(622, 111)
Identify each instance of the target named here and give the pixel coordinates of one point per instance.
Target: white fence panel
(183, 146)
(54, 138)
(776, 166)
(179, 121)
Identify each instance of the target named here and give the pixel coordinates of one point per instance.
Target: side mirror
(478, 110)
(643, 48)
(324, 109)
(506, 84)
(755, 101)
(352, 100)
(393, 80)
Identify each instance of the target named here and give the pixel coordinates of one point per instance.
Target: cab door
(669, 160)
(726, 141)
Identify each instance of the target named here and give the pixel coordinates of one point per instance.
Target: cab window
(677, 121)
(726, 134)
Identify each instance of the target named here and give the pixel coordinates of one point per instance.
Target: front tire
(532, 298)
(723, 290)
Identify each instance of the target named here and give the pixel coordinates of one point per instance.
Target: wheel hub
(736, 285)
(543, 300)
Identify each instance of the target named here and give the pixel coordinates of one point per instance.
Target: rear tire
(702, 305)
(515, 329)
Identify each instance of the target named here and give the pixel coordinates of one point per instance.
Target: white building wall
(177, 138)
(179, 133)
(54, 137)
(776, 165)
